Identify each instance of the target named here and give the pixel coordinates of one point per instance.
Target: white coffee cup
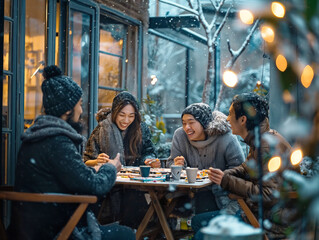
(176, 171)
(191, 174)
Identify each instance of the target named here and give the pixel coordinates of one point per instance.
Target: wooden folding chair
(83, 201)
(249, 214)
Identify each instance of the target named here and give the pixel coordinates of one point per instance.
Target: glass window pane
(7, 8)
(112, 38)
(79, 57)
(5, 102)
(110, 69)
(4, 157)
(35, 29)
(7, 46)
(57, 26)
(106, 98)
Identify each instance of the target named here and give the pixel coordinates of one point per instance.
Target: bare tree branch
(201, 16)
(236, 54)
(213, 23)
(180, 6)
(214, 4)
(221, 25)
(229, 48)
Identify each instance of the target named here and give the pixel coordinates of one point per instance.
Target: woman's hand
(215, 175)
(179, 160)
(103, 158)
(154, 163)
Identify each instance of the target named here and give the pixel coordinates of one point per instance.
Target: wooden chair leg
(75, 218)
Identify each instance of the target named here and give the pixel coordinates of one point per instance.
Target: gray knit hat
(60, 93)
(124, 97)
(201, 112)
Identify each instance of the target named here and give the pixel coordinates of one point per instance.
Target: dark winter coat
(107, 138)
(243, 180)
(49, 161)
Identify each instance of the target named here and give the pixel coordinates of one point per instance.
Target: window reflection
(35, 29)
(112, 44)
(106, 98)
(5, 102)
(4, 157)
(79, 58)
(7, 8)
(6, 45)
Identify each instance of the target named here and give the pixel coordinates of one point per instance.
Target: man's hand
(154, 163)
(116, 162)
(103, 158)
(215, 175)
(179, 160)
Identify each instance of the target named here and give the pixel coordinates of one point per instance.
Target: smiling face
(193, 129)
(125, 117)
(238, 126)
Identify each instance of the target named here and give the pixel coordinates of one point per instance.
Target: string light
(278, 9)
(296, 157)
(307, 76)
(267, 33)
(274, 164)
(281, 63)
(246, 16)
(230, 78)
(154, 79)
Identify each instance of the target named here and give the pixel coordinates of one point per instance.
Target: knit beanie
(124, 97)
(201, 112)
(60, 93)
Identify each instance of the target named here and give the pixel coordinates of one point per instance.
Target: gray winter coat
(107, 138)
(220, 150)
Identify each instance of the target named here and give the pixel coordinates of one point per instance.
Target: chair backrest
(82, 200)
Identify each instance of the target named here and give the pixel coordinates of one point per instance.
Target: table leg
(144, 222)
(161, 216)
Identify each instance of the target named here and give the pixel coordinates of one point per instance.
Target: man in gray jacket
(205, 141)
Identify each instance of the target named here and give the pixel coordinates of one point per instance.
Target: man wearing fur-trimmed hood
(205, 140)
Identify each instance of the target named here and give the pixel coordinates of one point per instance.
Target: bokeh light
(296, 157)
(278, 9)
(246, 16)
(274, 164)
(154, 79)
(230, 79)
(307, 76)
(267, 33)
(281, 63)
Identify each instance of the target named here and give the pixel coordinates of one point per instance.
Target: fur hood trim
(219, 125)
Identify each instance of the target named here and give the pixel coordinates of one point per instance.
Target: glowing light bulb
(274, 164)
(278, 9)
(246, 16)
(230, 79)
(281, 63)
(307, 76)
(296, 157)
(267, 34)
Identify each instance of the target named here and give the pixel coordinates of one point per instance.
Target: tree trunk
(209, 76)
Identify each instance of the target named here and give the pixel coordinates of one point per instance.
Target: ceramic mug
(176, 171)
(145, 170)
(191, 174)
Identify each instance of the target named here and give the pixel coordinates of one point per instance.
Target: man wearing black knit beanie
(50, 161)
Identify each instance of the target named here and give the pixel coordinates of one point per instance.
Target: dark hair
(251, 105)
(133, 136)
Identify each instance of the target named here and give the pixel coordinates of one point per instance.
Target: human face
(125, 117)
(77, 111)
(238, 126)
(193, 129)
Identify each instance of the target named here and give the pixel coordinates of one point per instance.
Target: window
(117, 61)
(35, 45)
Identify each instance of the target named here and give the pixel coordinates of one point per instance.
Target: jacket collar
(250, 138)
